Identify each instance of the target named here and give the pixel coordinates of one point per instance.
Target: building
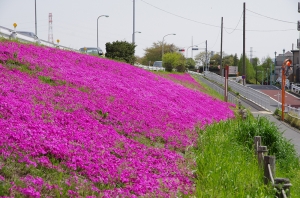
(279, 61)
(296, 68)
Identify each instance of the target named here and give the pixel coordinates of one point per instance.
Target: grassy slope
(74, 125)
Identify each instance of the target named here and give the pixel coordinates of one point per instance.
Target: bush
(121, 51)
(174, 61)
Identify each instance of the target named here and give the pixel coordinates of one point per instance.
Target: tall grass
(226, 168)
(227, 165)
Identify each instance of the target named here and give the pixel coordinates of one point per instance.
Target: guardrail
(257, 97)
(150, 67)
(231, 98)
(295, 88)
(12, 34)
(282, 185)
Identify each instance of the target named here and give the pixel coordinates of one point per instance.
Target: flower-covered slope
(90, 114)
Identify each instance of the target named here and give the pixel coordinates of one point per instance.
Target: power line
(215, 41)
(271, 17)
(235, 26)
(179, 15)
(216, 26)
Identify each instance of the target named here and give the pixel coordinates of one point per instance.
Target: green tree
(255, 62)
(265, 66)
(174, 60)
(235, 60)
(215, 60)
(250, 73)
(121, 51)
(201, 57)
(154, 52)
(228, 60)
(190, 63)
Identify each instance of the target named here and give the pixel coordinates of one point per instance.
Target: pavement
(288, 131)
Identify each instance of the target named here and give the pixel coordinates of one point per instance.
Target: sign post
(226, 83)
(282, 91)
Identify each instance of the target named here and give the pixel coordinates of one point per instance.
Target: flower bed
(74, 112)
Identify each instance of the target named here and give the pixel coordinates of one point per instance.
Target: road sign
(233, 70)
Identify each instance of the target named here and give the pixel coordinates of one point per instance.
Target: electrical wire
(271, 17)
(215, 42)
(216, 26)
(235, 26)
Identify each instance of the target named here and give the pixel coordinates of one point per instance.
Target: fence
(231, 98)
(295, 88)
(11, 34)
(257, 97)
(282, 185)
(150, 67)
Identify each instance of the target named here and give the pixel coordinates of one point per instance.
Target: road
(275, 94)
(289, 132)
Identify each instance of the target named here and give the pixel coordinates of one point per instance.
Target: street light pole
(133, 35)
(187, 51)
(162, 50)
(274, 64)
(35, 17)
(97, 28)
(283, 86)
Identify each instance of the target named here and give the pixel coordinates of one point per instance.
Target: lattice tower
(50, 31)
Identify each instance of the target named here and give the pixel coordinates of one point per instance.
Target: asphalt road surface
(275, 93)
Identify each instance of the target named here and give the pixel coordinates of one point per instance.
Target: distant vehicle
(157, 64)
(91, 50)
(30, 34)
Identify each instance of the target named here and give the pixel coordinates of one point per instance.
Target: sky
(271, 25)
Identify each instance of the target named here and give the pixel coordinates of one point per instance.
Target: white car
(25, 36)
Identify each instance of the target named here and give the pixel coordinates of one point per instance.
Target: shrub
(121, 51)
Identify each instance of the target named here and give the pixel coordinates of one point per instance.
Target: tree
(174, 60)
(250, 73)
(190, 63)
(228, 60)
(201, 57)
(154, 52)
(266, 63)
(255, 63)
(235, 60)
(215, 60)
(121, 51)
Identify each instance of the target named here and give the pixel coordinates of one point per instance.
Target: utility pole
(133, 32)
(192, 48)
(35, 18)
(206, 55)
(251, 51)
(294, 69)
(244, 45)
(221, 52)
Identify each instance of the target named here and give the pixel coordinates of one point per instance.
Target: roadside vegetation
(227, 165)
(74, 125)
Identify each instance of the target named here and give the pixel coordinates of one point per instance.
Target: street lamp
(133, 40)
(35, 18)
(162, 51)
(187, 51)
(271, 73)
(97, 27)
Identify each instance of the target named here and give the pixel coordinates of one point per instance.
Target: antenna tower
(50, 32)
